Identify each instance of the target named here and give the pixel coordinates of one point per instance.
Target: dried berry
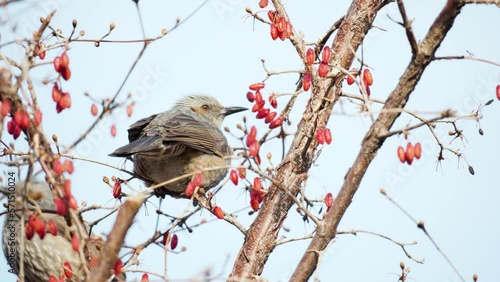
(233, 175)
(217, 211)
(306, 81)
(310, 56)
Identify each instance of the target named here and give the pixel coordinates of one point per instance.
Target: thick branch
(115, 240)
(262, 234)
(374, 138)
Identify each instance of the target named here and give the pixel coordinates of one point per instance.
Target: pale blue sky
(218, 52)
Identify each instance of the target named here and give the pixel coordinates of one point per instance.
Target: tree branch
(373, 140)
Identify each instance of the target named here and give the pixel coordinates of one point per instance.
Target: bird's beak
(233, 110)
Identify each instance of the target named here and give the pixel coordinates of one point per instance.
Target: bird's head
(208, 107)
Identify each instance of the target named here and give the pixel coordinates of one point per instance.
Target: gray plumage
(184, 139)
(42, 257)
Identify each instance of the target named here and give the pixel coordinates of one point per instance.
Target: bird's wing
(135, 130)
(172, 136)
(185, 130)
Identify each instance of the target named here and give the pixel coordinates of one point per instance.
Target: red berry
(68, 166)
(282, 35)
(145, 278)
(273, 101)
(262, 113)
(67, 188)
(64, 60)
(498, 92)
(18, 117)
(401, 154)
(94, 262)
(271, 15)
(306, 81)
(310, 56)
(250, 96)
(328, 136)
(263, 3)
(189, 189)
(117, 190)
(72, 202)
(28, 230)
(280, 23)
(13, 128)
(57, 64)
(130, 109)
(38, 117)
(66, 73)
(198, 179)
(242, 173)
(65, 101)
(233, 175)
(326, 55)
(258, 106)
(276, 123)
(410, 153)
(350, 79)
(258, 98)
(61, 207)
(323, 69)
(174, 242)
(367, 77)
(118, 267)
(368, 91)
(257, 184)
(56, 93)
(113, 130)
(68, 270)
(253, 149)
(274, 31)
(93, 109)
(53, 279)
(418, 150)
(251, 137)
(6, 105)
(270, 116)
(75, 242)
(217, 211)
(257, 86)
(320, 136)
(288, 30)
(254, 203)
(328, 201)
(52, 227)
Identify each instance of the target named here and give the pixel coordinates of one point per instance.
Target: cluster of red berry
(62, 99)
(259, 103)
(68, 201)
(280, 28)
(411, 153)
(68, 273)
(366, 80)
(323, 135)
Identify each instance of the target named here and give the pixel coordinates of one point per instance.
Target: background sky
(218, 52)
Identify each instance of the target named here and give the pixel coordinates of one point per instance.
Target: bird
(182, 140)
(42, 257)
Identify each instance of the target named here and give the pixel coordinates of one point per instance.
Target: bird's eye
(205, 107)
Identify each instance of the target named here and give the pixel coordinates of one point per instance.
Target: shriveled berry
(68, 166)
(38, 117)
(64, 60)
(72, 204)
(61, 207)
(56, 93)
(65, 101)
(257, 184)
(117, 189)
(52, 227)
(242, 173)
(57, 64)
(320, 136)
(29, 231)
(66, 73)
(328, 201)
